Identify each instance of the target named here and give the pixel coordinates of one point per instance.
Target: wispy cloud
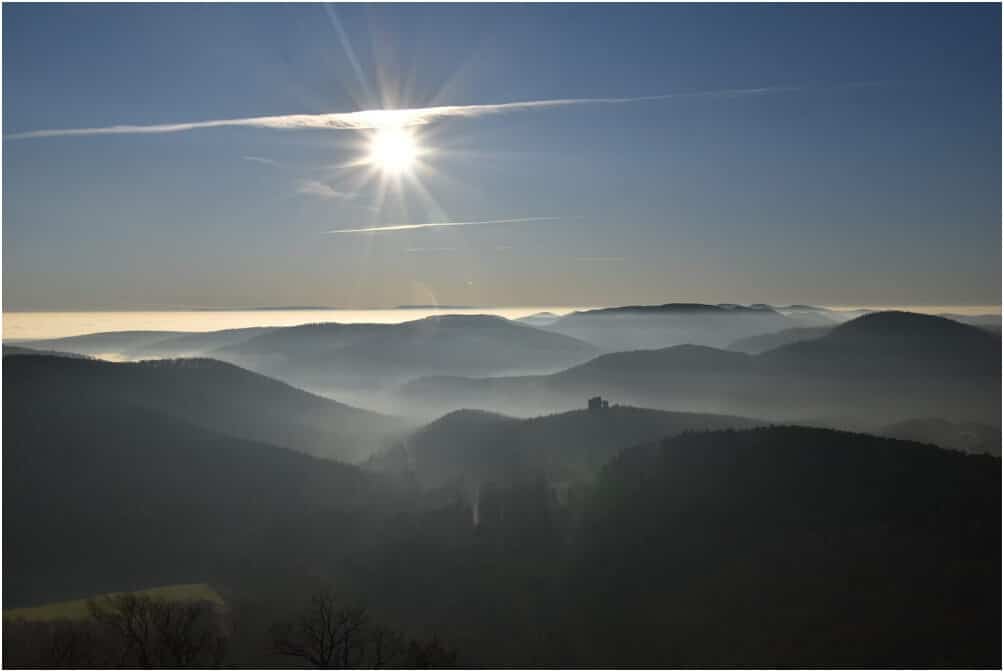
(370, 119)
(323, 190)
(432, 225)
(262, 160)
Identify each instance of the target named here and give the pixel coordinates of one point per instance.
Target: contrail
(372, 119)
(431, 225)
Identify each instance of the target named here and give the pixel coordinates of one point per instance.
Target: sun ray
(394, 150)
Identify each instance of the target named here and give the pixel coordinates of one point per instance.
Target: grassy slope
(76, 610)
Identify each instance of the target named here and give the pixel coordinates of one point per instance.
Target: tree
(329, 636)
(151, 633)
(430, 654)
(325, 635)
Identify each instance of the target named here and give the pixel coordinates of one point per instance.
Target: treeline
(131, 631)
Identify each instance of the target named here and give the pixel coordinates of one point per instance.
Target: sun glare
(393, 150)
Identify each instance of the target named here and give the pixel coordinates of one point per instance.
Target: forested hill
(485, 447)
(218, 396)
(101, 497)
(789, 546)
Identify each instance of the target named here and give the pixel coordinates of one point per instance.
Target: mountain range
(889, 366)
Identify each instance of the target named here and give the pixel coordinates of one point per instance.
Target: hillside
(723, 545)
(148, 344)
(969, 437)
(329, 357)
(119, 343)
(893, 343)
(101, 495)
(645, 327)
(11, 350)
(880, 367)
(475, 446)
(218, 396)
(754, 345)
(76, 610)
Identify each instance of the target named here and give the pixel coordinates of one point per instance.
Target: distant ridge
(254, 308)
(879, 367)
(658, 326)
(679, 308)
(217, 396)
(432, 306)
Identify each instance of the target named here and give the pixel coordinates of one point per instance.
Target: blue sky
(866, 169)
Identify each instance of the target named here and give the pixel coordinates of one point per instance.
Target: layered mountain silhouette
(348, 356)
(211, 394)
(149, 344)
(477, 446)
(754, 345)
(969, 437)
(884, 366)
(353, 361)
(11, 350)
(103, 492)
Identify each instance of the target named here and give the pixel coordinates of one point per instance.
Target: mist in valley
(429, 336)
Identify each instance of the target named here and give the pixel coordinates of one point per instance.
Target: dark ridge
(215, 395)
(901, 322)
(684, 308)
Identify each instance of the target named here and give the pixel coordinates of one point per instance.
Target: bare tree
(332, 637)
(155, 633)
(325, 635)
(51, 644)
(128, 618)
(387, 647)
(430, 654)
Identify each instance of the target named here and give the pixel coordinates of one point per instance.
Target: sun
(394, 150)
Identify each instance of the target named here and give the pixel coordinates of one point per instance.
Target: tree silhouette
(152, 633)
(325, 635)
(330, 636)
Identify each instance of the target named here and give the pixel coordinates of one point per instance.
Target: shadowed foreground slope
(101, 497)
(792, 547)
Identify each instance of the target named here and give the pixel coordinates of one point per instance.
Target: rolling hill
(147, 344)
(333, 356)
(791, 547)
(644, 327)
(879, 367)
(968, 437)
(103, 495)
(211, 394)
(476, 446)
(754, 345)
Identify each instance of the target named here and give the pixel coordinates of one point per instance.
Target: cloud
(422, 250)
(431, 225)
(599, 259)
(322, 190)
(262, 160)
(370, 119)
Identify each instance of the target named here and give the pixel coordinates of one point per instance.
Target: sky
(823, 154)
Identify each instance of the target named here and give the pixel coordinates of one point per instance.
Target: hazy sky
(817, 154)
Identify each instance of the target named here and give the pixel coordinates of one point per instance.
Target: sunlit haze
(199, 155)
